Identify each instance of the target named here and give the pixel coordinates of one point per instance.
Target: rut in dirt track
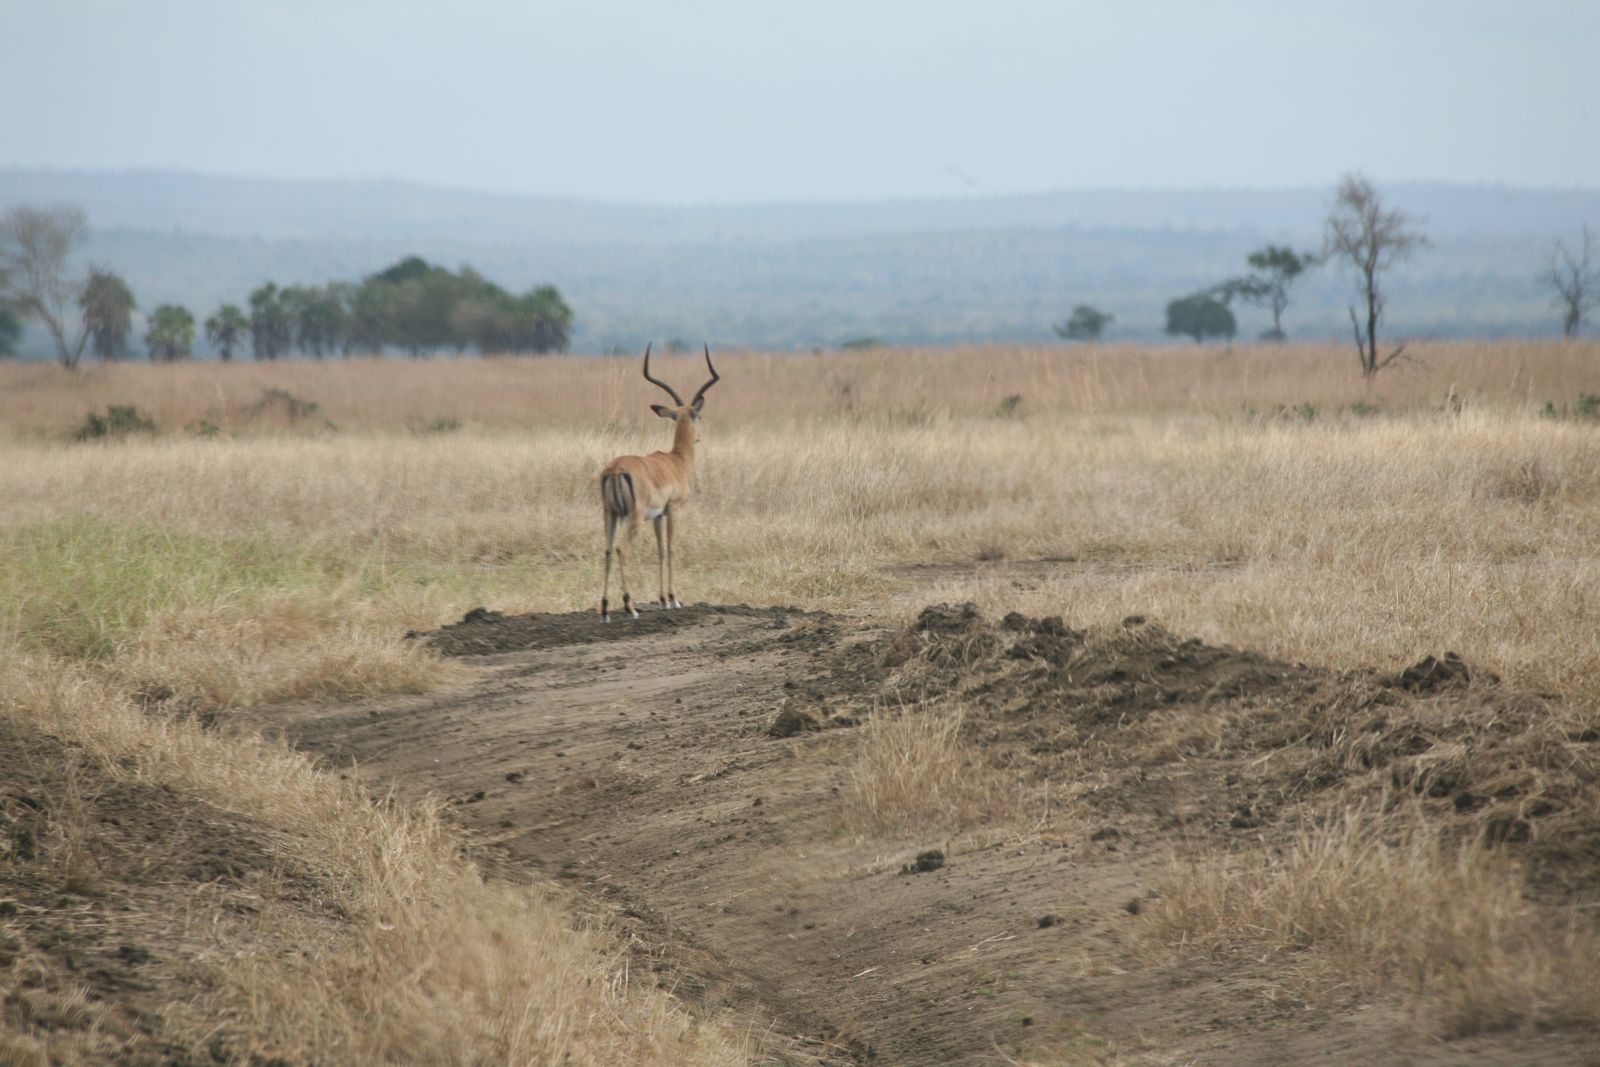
(636, 762)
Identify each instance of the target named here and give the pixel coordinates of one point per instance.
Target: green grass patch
(78, 587)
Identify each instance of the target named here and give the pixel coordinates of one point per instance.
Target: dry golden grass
(1346, 541)
(789, 391)
(281, 557)
(1371, 904)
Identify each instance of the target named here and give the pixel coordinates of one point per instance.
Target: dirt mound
(482, 632)
(1041, 669)
(1140, 707)
(642, 774)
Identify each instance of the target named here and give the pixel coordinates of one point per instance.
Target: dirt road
(634, 762)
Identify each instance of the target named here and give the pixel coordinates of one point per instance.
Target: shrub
(290, 404)
(118, 421)
(1010, 407)
(442, 424)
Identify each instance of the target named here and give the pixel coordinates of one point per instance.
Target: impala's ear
(699, 402)
(664, 411)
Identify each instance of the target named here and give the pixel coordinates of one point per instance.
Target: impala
(635, 488)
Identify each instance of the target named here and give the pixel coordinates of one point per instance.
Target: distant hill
(787, 275)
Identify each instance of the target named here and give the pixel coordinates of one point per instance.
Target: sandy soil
(638, 763)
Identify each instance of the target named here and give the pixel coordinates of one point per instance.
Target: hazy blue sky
(676, 101)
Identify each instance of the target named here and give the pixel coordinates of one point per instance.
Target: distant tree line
(413, 306)
(1366, 239)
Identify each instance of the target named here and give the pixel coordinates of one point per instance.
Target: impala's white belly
(653, 513)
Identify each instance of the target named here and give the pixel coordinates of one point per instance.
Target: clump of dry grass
(914, 771)
(1367, 904)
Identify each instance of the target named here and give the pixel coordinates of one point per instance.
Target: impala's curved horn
(676, 399)
(715, 377)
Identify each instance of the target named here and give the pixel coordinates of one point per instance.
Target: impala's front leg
(661, 560)
(672, 598)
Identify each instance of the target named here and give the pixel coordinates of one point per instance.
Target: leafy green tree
(419, 304)
(486, 320)
(371, 307)
(1086, 324)
(548, 321)
(317, 317)
(1200, 315)
(494, 321)
(108, 307)
(340, 297)
(225, 329)
(271, 330)
(409, 269)
(170, 336)
(35, 246)
(10, 331)
(1369, 238)
(420, 307)
(1277, 268)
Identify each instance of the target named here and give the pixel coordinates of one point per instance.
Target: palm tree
(171, 333)
(108, 307)
(271, 331)
(226, 329)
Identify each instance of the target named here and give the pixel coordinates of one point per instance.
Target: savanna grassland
(274, 537)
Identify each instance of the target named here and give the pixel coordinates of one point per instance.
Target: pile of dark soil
(1132, 706)
(482, 632)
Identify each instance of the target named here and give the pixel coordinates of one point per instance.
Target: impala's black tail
(617, 492)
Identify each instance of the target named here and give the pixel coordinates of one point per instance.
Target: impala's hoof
(605, 618)
(633, 613)
(675, 603)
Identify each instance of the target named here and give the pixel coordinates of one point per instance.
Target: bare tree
(35, 245)
(1370, 239)
(1576, 280)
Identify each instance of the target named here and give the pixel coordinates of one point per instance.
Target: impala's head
(684, 414)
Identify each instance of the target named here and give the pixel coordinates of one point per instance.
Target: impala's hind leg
(622, 569)
(605, 585)
(672, 598)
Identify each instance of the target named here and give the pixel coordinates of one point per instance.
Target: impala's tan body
(659, 480)
(634, 489)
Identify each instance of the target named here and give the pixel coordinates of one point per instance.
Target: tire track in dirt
(633, 762)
